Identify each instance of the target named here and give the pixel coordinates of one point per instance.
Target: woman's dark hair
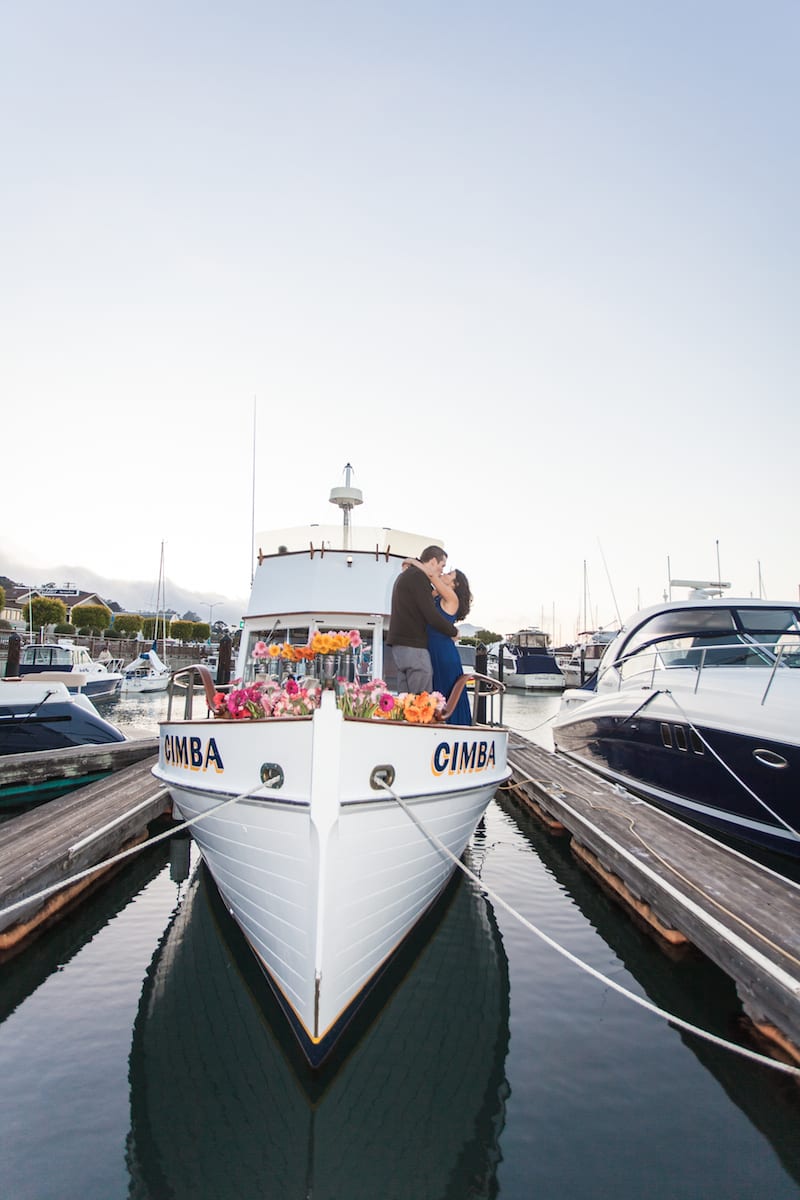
(461, 589)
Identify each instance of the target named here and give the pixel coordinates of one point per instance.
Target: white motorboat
(580, 665)
(73, 665)
(38, 714)
(323, 824)
(696, 707)
(529, 664)
(146, 673)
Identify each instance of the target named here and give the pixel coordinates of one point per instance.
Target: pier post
(224, 660)
(481, 668)
(14, 648)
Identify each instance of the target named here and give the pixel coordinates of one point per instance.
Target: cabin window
(680, 737)
(680, 623)
(697, 743)
(666, 734)
(777, 629)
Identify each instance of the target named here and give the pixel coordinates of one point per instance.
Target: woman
(453, 598)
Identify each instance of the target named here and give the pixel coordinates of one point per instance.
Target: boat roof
(382, 539)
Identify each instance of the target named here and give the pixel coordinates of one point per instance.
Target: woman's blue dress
(446, 663)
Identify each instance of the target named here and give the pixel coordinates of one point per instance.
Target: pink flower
(291, 687)
(386, 702)
(260, 650)
(355, 638)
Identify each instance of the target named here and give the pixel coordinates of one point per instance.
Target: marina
(146, 996)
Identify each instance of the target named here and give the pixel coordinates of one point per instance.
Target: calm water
(141, 1057)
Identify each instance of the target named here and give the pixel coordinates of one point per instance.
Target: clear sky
(532, 268)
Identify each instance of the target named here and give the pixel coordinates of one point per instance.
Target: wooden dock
(74, 832)
(687, 886)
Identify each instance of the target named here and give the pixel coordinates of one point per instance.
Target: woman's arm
(447, 592)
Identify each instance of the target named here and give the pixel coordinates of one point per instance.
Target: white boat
(324, 869)
(696, 707)
(205, 1026)
(146, 673)
(529, 664)
(73, 665)
(580, 665)
(38, 714)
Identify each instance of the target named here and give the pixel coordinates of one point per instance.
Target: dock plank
(57, 840)
(740, 914)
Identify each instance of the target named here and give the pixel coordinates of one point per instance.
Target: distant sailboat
(148, 672)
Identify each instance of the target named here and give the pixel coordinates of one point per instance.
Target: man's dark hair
(432, 552)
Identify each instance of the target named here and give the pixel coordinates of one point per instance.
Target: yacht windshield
(714, 637)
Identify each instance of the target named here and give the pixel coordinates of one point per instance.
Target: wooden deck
(686, 885)
(62, 837)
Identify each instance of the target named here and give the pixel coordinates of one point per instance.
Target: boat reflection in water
(223, 1104)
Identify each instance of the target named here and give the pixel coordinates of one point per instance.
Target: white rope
(123, 854)
(762, 1059)
(730, 770)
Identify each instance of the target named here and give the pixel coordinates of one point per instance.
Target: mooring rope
(730, 770)
(496, 898)
(137, 849)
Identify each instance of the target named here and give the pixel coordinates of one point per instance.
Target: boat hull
(327, 874)
(673, 747)
(151, 683)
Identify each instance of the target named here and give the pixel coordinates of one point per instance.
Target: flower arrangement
(320, 644)
(269, 699)
(261, 700)
(419, 709)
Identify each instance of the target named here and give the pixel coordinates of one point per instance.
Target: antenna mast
(346, 498)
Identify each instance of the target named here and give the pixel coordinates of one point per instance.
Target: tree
(128, 623)
(2, 597)
(485, 636)
(182, 630)
(43, 610)
(93, 617)
(201, 631)
(65, 627)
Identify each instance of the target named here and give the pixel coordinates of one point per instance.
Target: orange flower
(419, 709)
(274, 651)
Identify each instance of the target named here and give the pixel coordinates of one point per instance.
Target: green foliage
(485, 636)
(182, 630)
(201, 631)
(128, 624)
(64, 627)
(112, 633)
(5, 624)
(2, 596)
(93, 617)
(44, 610)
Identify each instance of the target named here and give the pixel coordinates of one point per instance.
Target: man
(413, 609)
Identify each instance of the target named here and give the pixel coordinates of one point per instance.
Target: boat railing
(182, 686)
(186, 681)
(483, 688)
(744, 652)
